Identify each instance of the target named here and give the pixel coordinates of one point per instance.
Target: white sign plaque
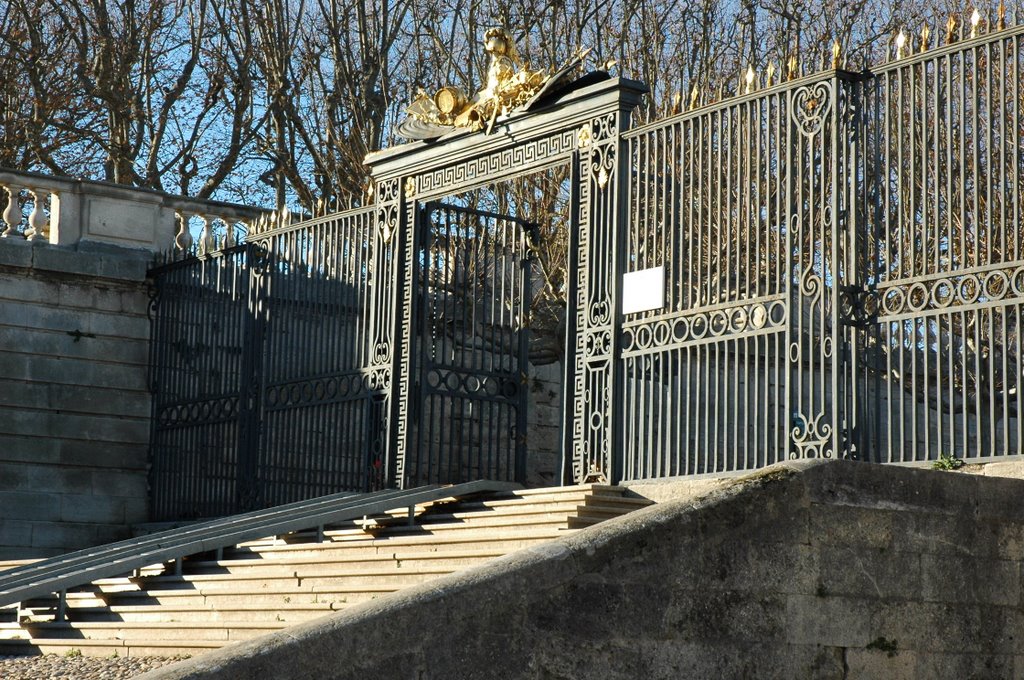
(643, 290)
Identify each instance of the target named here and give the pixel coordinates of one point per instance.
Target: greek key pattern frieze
(495, 165)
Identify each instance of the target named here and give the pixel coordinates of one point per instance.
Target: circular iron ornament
(473, 384)
(826, 347)
(272, 396)
(719, 323)
(294, 394)
(810, 107)
(319, 389)
(433, 379)
(917, 297)
(1017, 281)
(943, 293)
(794, 352)
(662, 333)
(996, 284)
(892, 301)
(307, 392)
(509, 388)
(871, 302)
(452, 382)
(217, 409)
(643, 337)
(758, 317)
(628, 339)
(699, 326)
(738, 320)
(332, 388)
(491, 387)
(777, 312)
(969, 289)
(680, 330)
(596, 420)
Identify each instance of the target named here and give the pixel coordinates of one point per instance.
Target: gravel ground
(62, 667)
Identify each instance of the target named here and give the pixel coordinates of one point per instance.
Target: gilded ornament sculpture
(511, 86)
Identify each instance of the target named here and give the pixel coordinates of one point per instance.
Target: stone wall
(805, 570)
(74, 404)
(543, 441)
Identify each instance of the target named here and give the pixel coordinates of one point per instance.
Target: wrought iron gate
(268, 387)
(843, 276)
(470, 346)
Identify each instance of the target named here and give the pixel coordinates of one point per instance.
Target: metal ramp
(57, 574)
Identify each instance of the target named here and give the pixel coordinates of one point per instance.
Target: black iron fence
(941, 260)
(829, 266)
(842, 267)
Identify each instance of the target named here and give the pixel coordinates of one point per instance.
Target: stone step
(450, 559)
(266, 585)
(243, 612)
(288, 576)
(605, 511)
(366, 543)
(214, 597)
(86, 647)
(168, 630)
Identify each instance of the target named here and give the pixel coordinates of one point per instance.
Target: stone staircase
(211, 600)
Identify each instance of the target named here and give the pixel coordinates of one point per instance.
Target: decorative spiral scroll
(387, 221)
(381, 352)
(811, 437)
(387, 190)
(600, 313)
(810, 285)
(811, 105)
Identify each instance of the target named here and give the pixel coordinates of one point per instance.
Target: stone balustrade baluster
(207, 243)
(229, 232)
(39, 223)
(12, 213)
(183, 239)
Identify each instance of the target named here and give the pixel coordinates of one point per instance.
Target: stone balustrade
(66, 211)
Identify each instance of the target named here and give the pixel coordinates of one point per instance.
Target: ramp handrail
(57, 574)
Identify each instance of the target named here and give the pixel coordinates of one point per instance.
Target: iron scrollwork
(811, 104)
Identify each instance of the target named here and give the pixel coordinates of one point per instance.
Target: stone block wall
(543, 440)
(74, 403)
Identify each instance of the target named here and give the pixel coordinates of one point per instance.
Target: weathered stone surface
(74, 338)
(695, 588)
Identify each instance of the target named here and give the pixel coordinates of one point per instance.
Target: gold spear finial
(901, 42)
(951, 29)
(926, 33)
(975, 22)
(793, 67)
(749, 78)
(770, 74)
(1001, 16)
(694, 94)
(837, 54)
